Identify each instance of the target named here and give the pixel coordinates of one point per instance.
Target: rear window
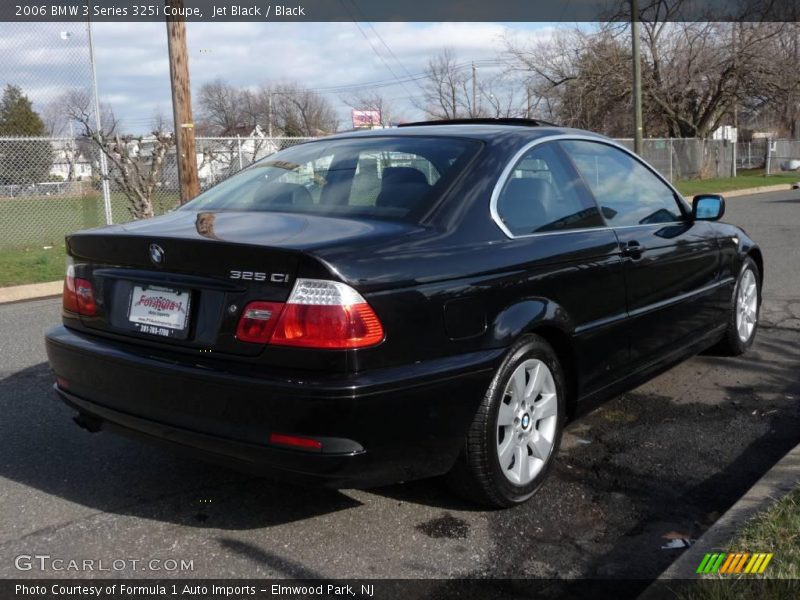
(396, 178)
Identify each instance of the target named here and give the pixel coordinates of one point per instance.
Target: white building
(69, 163)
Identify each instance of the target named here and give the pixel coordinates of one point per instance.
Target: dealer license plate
(161, 311)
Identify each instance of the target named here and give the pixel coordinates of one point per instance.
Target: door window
(628, 192)
(545, 193)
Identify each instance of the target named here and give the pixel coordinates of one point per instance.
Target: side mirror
(708, 207)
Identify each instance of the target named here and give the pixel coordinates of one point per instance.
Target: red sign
(366, 118)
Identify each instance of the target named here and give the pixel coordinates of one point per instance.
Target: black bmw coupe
(388, 305)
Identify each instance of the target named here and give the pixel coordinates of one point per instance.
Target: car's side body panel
(672, 283)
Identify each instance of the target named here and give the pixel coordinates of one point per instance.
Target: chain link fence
(217, 159)
(687, 158)
(751, 155)
(50, 187)
(783, 157)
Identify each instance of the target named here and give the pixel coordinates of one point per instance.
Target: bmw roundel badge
(156, 255)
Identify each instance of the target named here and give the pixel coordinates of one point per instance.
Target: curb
(764, 189)
(776, 483)
(32, 291)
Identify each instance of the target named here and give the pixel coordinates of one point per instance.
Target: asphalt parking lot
(659, 463)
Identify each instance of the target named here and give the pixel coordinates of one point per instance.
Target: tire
(743, 322)
(506, 457)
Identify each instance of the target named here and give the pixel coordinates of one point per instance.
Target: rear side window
(628, 192)
(387, 177)
(545, 193)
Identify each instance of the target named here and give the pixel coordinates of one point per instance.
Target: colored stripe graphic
(765, 563)
(703, 563)
(715, 565)
(727, 564)
(741, 562)
(734, 563)
(731, 563)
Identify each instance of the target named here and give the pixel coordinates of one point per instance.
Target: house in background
(218, 158)
(69, 162)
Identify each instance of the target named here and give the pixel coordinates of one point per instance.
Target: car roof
(481, 131)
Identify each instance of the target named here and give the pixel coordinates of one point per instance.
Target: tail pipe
(87, 422)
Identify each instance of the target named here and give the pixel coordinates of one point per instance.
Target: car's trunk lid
(208, 264)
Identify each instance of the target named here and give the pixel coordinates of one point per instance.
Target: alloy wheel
(747, 306)
(527, 421)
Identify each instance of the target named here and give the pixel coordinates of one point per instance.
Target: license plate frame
(160, 311)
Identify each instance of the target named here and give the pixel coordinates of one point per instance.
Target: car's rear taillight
(258, 321)
(318, 314)
(327, 314)
(69, 300)
(78, 294)
(85, 294)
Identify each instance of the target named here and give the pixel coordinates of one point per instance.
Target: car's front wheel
(516, 432)
(744, 311)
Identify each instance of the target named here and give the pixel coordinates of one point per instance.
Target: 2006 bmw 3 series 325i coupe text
(387, 305)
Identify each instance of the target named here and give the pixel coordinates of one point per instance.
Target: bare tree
(452, 90)
(294, 110)
(697, 72)
(694, 74)
(222, 109)
(773, 94)
(299, 112)
(501, 96)
(160, 122)
(446, 89)
(578, 78)
(134, 168)
(55, 122)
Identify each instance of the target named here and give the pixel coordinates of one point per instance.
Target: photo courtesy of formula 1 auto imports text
(399, 300)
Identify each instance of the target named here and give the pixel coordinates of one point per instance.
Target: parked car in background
(389, 305)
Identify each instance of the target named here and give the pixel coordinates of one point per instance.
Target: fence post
(239, 143)
(769, 153)
(670, 160)
(103, 161)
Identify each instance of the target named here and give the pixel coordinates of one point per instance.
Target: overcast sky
(133, 72)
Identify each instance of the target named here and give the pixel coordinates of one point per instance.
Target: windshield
(385, 177)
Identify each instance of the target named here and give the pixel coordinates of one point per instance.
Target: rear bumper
(378, 427)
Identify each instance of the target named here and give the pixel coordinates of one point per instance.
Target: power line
(374, 50)
(385, 45)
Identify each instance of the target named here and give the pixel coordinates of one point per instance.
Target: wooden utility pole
(637, 79)
(735, 101)
(182, 104)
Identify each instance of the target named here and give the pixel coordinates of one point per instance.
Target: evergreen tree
(22, 161)
(17, 117)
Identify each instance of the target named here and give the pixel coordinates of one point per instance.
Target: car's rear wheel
(516, 432)
(744, 311)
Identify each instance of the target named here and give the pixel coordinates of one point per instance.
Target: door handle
(633, 249)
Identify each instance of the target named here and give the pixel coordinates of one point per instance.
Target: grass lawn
(44, 221)
(775, 531)
(32, 265)
(28, 225)
(745, 179)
